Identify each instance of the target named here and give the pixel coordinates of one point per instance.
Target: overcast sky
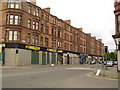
(94, 16)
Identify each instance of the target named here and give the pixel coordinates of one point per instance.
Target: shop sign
(33, 47)
(52, 50)
(60, 51)
(3, 45)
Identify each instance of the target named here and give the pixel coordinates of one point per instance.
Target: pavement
(108, 73)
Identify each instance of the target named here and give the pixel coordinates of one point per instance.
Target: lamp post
(117, 42)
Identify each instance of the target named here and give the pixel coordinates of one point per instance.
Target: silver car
(110, 63)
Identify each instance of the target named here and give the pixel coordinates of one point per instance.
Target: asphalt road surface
(55, 77)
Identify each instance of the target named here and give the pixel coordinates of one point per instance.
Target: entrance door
(35, 58)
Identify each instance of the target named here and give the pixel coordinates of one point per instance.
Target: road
(55, 77)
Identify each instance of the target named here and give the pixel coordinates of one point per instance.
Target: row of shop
(20, 55)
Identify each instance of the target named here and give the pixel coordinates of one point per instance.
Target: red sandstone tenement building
(117, 30)
(31, 35)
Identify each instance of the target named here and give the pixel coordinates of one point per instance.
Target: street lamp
(117, 42)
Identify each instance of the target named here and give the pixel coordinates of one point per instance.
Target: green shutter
(53, 58)
(48, 58)
(35, 58)
(43, 58)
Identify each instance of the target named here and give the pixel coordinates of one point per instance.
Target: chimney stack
(47, 9)
(81, 29)
(68, 21)
(100, 40)
(33, 2)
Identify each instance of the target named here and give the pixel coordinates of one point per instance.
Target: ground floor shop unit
(13, 54)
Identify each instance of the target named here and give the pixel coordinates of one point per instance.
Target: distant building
(31, 35)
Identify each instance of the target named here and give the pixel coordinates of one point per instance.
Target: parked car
(109, 63)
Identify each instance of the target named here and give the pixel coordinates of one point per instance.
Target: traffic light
(106, 49)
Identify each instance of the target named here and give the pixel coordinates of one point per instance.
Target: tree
(110, 56)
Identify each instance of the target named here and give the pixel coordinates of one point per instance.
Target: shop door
(35, 58)
(53, 58)
(43, 58)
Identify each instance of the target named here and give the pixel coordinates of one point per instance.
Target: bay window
(13, 19)
(12, 35)
(119, 23)
(16, 19)
(14, 4)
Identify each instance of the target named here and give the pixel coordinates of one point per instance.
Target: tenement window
(14, 4)
(46, 41)
(37, 39)
(53, 43)
(41, 40)
(28, 38)
(12, 35)
(13, 19)
(59, 34)
(29, 9)
(37, 25)
(119, 23)
(29, 23)
(33, 24)
(53, 31)
(37, 12)
(34, 11)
